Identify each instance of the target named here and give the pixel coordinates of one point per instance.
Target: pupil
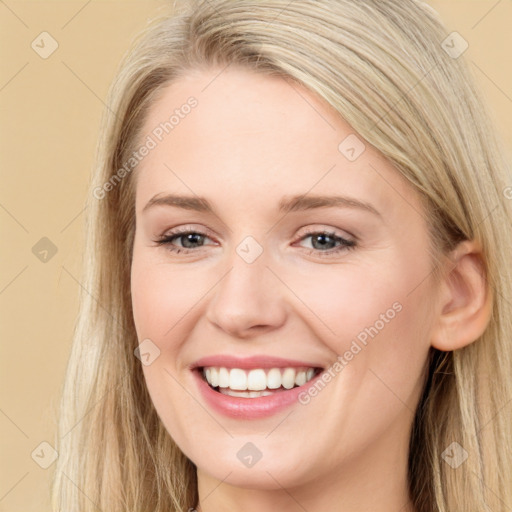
(190, 238)
(322, 237)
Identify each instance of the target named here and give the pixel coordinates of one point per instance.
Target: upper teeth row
(257, 379)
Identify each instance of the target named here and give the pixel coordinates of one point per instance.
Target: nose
(248, 300)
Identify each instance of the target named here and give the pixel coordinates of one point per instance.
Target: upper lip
(257, 361)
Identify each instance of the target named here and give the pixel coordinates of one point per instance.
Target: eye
(321, 240)
(324, 243)
(189, 240)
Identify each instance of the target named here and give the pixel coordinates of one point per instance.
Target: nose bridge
(248, 295)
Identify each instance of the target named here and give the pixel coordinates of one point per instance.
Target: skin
(252, 140)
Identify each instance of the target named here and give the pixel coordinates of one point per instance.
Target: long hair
(385, 66)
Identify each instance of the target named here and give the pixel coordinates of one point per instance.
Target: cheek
(161, 296)
(162, 300)
(379, 333)
(375, 319)
(347, 300)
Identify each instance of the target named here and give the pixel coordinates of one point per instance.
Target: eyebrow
(286, 205)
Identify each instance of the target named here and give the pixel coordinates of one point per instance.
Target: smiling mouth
(256, 382)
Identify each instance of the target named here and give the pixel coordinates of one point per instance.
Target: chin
(271, 471)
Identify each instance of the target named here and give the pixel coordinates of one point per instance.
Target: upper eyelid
(335, 231)
(179, 230)
(311, 227)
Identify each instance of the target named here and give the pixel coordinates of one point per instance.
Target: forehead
(254, 138)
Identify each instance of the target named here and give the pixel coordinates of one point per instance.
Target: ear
(465, 302)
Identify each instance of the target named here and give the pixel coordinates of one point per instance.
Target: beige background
(51, 110)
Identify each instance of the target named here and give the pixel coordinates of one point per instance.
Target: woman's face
(275, 280)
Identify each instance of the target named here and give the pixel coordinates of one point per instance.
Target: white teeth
(223, 378)
(214, 377)
(245, 394)
(274, 378)
(288, 378)
(256, 382)
(300, 378)
(237, 379)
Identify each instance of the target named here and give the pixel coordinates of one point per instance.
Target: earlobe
(465, 300)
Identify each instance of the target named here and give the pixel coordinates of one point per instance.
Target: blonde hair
(382, 66)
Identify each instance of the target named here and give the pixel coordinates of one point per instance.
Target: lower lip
(250, 408)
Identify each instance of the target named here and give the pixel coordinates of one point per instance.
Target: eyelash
(346, 245)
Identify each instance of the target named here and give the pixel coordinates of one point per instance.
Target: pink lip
(262, 361)
(249, 408)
